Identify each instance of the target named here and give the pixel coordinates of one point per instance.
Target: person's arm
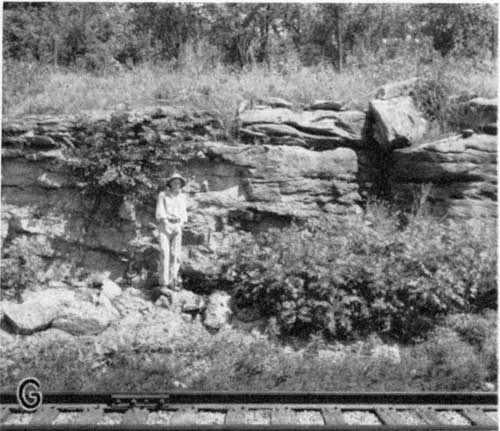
(161, 211)
(184, 216)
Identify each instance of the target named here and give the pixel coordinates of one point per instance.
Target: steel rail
(331, 405)
(270, 397)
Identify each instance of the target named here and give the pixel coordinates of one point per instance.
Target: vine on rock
(120, 160)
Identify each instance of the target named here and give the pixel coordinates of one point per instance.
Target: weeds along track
(243, 411)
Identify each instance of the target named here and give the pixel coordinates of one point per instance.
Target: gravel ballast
(110, 419)
(360, 417)
(18, 419)
(451, 417)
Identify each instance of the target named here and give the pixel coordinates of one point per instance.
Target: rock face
(396, 122)
(291, 181)
(319, 129)
(288, 166)
(233, 189)
(461, 172)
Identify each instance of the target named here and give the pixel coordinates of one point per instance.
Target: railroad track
(264, 411)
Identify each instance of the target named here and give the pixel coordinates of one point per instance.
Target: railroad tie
(235, 416)
(478, 417)
(333, 416)
(44, 415)
(135, 416)
(387, 416)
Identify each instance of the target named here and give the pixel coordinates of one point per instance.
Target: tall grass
(201, 81)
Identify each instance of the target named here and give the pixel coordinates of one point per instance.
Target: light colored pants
(170, 256)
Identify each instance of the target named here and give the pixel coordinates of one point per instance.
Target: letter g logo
(29, 395)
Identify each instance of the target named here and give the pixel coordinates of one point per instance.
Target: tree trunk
(340, 47)
(55, 51)
(494, 42)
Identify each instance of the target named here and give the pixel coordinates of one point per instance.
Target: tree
(462, 29)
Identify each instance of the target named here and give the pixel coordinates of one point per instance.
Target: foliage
(466, 29)
(432, 98)
(121, 159)
(92, 34)
(350, 278)
(450, 363)
(480, 331)
(20, 267)
(472, 328)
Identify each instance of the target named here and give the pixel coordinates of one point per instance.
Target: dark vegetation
(91, 35)
(348, 279)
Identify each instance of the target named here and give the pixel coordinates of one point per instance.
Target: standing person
(171, 214)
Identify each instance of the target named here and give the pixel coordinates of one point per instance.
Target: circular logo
(29, 395)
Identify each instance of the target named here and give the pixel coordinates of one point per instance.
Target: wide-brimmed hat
(176, 176)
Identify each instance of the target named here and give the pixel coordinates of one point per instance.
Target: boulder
(110, 289)
(479, 114)
(85, 318)
(29, 317)
(38, 310)
(218, 311)
(187, 301)
(396, 123)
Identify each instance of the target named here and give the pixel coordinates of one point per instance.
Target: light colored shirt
(169, 205)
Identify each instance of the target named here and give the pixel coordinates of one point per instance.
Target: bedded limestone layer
(233, 190)
(235, 187)
(458, 174)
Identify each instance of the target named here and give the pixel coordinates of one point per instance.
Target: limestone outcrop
(318, 129)
(461, 174)
(233, 189)
(287, 165)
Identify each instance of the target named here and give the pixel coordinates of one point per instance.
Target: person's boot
(176, 286)
(165, 291)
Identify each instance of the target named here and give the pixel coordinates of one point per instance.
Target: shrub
(121, 159)
(20, 267)
(489, 356)
(451, 363)
(346, 279)
(480, 331)
(474, 329)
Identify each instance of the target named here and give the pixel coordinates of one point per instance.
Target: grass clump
(196, 81)
(233, 360)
